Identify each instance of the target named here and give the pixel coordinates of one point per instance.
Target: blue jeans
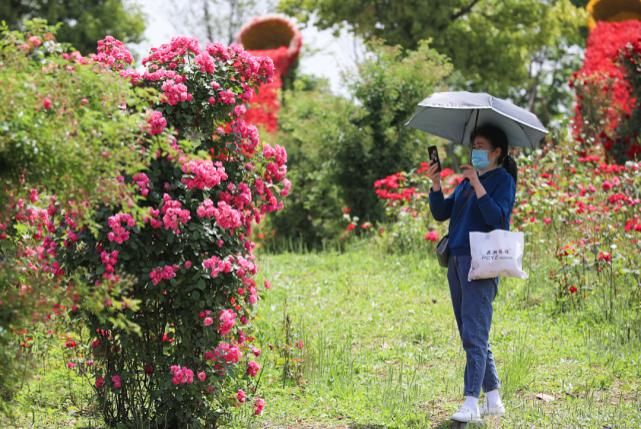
(472, 302)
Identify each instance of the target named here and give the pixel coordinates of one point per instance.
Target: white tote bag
(496, 253)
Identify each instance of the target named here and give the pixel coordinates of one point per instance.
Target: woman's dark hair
(497, 138)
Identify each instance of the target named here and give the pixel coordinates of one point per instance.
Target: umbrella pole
(476, 120)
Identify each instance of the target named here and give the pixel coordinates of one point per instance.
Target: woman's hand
(470, 174)
(435, 176)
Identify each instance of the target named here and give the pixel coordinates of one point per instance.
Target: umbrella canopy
(454, 115)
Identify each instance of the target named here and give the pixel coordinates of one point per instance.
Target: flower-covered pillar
(604, 95)
(278, 38)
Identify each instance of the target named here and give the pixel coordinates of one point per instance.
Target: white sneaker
(496, 410)
(467, 415)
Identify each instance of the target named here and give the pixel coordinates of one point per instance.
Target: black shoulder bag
(442, 248)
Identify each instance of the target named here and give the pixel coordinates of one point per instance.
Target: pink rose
(259, 404)
(202, 376)
(116, 381)
(253, 368)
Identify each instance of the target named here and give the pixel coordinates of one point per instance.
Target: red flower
(431, 236)
(446, 172)
(100, 381)
(605, 257)
(422, 167)
(633, 225)
(572, 289)
(259, 404)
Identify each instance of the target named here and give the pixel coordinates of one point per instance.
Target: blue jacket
(468, 213)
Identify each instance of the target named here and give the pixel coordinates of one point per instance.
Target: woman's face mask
(480, 159)
(482, 154)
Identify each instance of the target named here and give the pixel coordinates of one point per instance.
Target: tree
(388, 86)
(82, 22)
(507, 47)
(218, 20)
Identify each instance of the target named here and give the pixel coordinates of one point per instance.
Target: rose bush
(584, 213)
(186, 250)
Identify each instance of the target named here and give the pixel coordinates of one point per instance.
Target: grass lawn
(381, 349)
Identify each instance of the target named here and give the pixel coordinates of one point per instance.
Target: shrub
(313, 124)
(184, 256)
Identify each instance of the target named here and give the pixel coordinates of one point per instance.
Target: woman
(482, 202)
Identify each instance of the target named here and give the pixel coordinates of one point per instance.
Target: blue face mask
(480, 159)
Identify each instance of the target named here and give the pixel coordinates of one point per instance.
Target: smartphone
(433, 154)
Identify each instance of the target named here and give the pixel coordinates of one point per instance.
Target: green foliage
(338, 149)
(388, 87)
(74, 145)
(406, 233)
(9, 376)
(509, 48)
(82, 22)
(313, 125)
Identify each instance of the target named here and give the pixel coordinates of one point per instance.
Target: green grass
(52, 396)
(381, 350)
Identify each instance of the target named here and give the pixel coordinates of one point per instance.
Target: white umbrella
(454, 115)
